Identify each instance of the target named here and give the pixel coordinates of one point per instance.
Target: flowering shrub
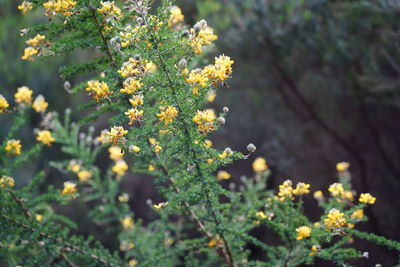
(147, 75)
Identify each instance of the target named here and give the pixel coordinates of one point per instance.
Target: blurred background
(315, 82)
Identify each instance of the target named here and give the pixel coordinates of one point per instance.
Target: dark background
(314, 83)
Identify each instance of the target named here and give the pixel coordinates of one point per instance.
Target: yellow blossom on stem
(259, 165)
(135, 149)
(342, 166)
(314, 249)
(23, 95)
(29, 52)
(335, 219)
(167, 114)
(6, 181)
(197, 77)
(348, 195)
(318, 195)
(131, 86)
(151, 167)
(336, 189)
(176, 16)
(223, 175)
(13, 147)
(130, 68)
(84, 175)
(25, 6)
(126, 246)
(69, 189)
(205, 37)
(63, 7)
(208, 143)
(123, 198)
(99, 89)
(74, 166)
(134, 115)
(150, 67)
(133, 263)
(285, 191)
(40, 104)
(157, 148)
(303, 232)
(137, 100)
(358, 214)
(120, 167)
(367, 198)
(109, 9)
(301, 189)
(127, 223)
(116, 134)
(116, 153)
(261, 215)
(205, 120)
(3, 104)
(35, 41)
(45, 137)
(160, 206)
(39, 217)
(211, 95)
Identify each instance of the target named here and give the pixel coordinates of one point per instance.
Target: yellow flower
(99, 89)
(130, 68)
(342, 166)
(131, 86)
(39, 217)
(40, 104)
(214, 242)
(45, 137)
(3, 104)
(38, 39)
(303, 232)
(151, 167)
(209, 161)
(74, 166)
(167, 114)
(314, 249)
(69, 189)
(125, 246)
(259, 165)
(358, 214)
(135, 149)
(197, 77)
(211, 95)
(116, 153)
(204, 37)
(116, 134)
(301, 189)
(120, 167)
(318, 195)
(335, 219)
(84, 175)
(208, 143)
(336, 189)
(285, 191)
(157, 148)
(150, 67)
(348, 195)
(176, 16)
(134, 115)
(63, 7)
(223, 175)
(23, 95)
(13, 147)
(367, 198)
(109, 9)
(127, 223)
(205, 120)
(221, 70)
(261, 215)
(29, 52)
(6, 181)
(137, 100)
(133, 263)
(123, 198)
(25, 6)
(160, 205)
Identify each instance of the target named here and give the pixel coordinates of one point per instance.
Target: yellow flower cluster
(99, 89)
(6, 181)
(259, 165)
(40, 105)
(176, 16)
(223, 175)
(221, 70)
(134, 115)
(137, 100)
(205, 120)
(167, 114)
(127, 223)
(64, 7)
(116, 153)
(3, 104)
(36, 41)
(84, 175)
(335, 219)
(123, 198)
(120, 167)
(29, 52)
(358, 214)
(45, 137)
(131, 85)
(337, 189)
(116, 134)
(287, 192)
(131, 68)
(25, 6)
(301, 189)
(13, 147)
(110, 9)
(205, 36)
(126, 246)
(367, 198)
(160, 206)
(342, 166)
(303, 232)
(69, 189)
(23, 95)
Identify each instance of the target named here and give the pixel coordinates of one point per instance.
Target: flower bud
(251, 147)
(203, 24)
(221, 120)
(182, 64)
(67, 86)
(225, 109)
